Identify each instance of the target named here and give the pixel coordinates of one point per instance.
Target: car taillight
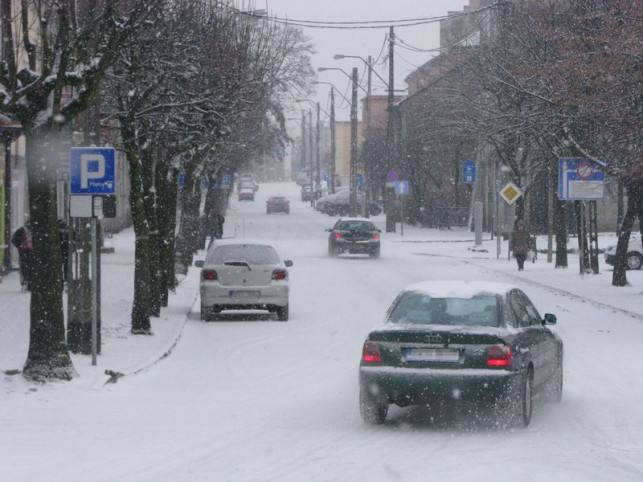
(371, 352)
(279, 274)
(376, 236)
(338, 235)
(499, 356)
(209, 274)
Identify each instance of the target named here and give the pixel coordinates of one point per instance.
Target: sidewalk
(121, 351)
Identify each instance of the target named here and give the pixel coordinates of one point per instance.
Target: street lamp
(336, 90)
(368, 63)
(324, 69)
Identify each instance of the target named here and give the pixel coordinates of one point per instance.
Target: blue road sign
(226, 181)
(402, 188)
(469, 171)
(360, 180)
(92, 171)
(579, 180)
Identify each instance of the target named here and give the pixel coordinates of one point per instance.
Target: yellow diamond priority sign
(510, 193)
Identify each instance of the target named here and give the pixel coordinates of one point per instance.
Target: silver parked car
(634, 253)
(244, 274)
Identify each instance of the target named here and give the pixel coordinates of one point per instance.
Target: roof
(459, 289)
(356, 219)
(230, 241)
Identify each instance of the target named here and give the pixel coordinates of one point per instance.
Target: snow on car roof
(459, 289)
(262, 241)
(356, 219)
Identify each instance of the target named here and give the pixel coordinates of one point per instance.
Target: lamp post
(353, 167)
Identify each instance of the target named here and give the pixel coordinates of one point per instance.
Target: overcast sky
(364, 42)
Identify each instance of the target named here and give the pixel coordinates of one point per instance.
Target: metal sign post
(402, 190)
(92, 184)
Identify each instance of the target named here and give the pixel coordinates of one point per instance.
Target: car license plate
(244, 294)
(442, 355)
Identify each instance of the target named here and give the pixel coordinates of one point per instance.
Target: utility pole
(303, 140)
(332, 141)
(310, 145)
(366, 151)
(389, 196)
(317, 168)
(353, 183)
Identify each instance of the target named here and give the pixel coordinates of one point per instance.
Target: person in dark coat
(520, 244)
(21, 239)
(215, 227)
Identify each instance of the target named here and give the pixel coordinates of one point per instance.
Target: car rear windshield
(249, 253)
(420, 308)
(356, 226)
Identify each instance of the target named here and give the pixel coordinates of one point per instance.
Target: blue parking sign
(469, 171)
(92, 171)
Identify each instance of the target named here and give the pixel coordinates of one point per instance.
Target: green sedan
(456, 340)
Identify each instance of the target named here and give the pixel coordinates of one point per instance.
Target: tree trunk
(142, 286)
(187, 241)
(633, 210)
(167, 183)
(149, 202)
(560, 229)
(48, 355)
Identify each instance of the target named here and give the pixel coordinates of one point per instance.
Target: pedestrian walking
(21, 239)
(520, 244)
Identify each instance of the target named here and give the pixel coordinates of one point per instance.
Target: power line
(361, 24)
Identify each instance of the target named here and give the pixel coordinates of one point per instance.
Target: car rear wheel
(208, 312)
(375, 253)
(526, 399)
(372, 407)
(282, 313)
(331, 251)
(634, 260)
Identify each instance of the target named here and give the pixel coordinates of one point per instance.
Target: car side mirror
(288, 263)
(549, 319)
(199, 263)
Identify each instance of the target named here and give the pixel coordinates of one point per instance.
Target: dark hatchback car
(278, 204)
(354, 236)
(451, 341)
(340, 204)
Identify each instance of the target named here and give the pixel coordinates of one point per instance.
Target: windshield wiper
(238, 263)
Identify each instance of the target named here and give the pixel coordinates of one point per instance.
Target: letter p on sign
(92, 166)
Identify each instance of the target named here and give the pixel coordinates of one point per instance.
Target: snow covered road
(254, 399)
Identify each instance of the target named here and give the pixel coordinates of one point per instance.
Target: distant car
(340, 205)
(307, 193)
(354, 236)
(444, 341)
(634, 253)
(247, 181)
(302, 179)
(246, 194)
(244, 274)
(323, 203)
(278, 204)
